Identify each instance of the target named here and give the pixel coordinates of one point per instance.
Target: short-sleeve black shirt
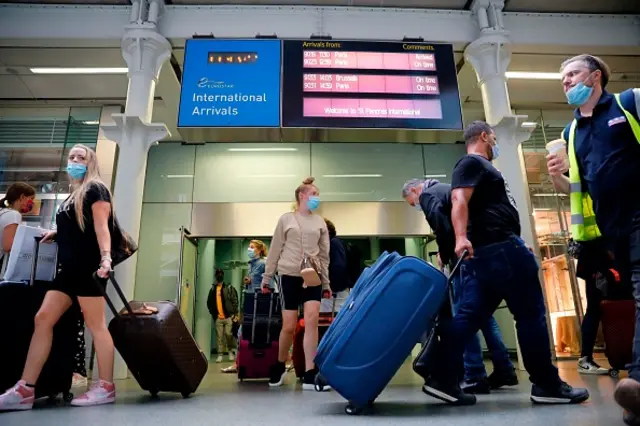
(76, 248)
(493, 216)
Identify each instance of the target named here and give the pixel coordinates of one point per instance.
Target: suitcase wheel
(614, 373)
(154, 392)
(67, 397)
(352, 410)
(185, 394)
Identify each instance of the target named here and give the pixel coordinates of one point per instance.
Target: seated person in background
(433, 199)
(18, 200)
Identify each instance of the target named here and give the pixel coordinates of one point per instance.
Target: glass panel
(439, 160)
(170, 173)
(229, 172)
(364, 172)
(551, 216)
(33, 149)
(159, 254)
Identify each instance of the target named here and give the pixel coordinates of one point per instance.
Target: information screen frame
(293, 92)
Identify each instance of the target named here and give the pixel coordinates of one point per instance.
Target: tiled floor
(222, 401)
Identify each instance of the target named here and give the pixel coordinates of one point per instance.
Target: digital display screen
(357, 84)
(230, 83)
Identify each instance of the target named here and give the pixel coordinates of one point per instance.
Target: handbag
(310, 266)
(122, 245)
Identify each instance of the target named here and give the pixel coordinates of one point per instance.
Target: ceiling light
(269, 176)
(261, 149)
(91, 122)
(533, 75)
(435, 176)
(77, 70)
(352, 176)
(529, 124)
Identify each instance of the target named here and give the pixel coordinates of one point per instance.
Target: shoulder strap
(301, 233)
(635, 126)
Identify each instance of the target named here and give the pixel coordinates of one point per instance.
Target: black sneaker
(309, 381)
(278, 372)
(563, 394)
(450, 394)
(477, 387)
(498, 379)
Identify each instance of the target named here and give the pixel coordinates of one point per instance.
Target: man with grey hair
(433, 199)
(500, 267)
(602, 163)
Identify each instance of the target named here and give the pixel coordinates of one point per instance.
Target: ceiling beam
(21, 23)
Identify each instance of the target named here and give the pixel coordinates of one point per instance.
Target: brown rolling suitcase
(158, 348)
(618, 328)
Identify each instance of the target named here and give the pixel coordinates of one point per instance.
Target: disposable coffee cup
(557, 147)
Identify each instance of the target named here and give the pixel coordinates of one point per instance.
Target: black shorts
(76, 283)
(292, 294)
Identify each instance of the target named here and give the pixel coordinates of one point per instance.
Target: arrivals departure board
(362, 84)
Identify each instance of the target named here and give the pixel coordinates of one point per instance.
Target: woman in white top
(298, 232)
(18, 200)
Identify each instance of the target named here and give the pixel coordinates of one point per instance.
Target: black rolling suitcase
(19, 303)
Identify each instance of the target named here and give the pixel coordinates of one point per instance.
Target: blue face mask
(251, 253)
(76, 170)
(579, 94)
(495, 151)
(313, 202)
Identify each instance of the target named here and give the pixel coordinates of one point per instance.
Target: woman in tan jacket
(298, 233)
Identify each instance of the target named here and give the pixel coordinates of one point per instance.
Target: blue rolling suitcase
(393, 303)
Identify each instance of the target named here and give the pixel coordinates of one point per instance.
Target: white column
(145, 51)
(489, 55)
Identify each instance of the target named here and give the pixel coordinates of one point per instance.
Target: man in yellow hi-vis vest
(603, 162)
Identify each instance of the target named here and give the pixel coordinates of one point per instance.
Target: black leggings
(592, 317)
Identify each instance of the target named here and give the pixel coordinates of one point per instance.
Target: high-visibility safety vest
(583, 218)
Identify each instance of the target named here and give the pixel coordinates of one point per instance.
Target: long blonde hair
(261, 247)
(92, 176)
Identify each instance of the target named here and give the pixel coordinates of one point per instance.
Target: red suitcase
(618, 328)
(298, 339)
(158, 348)
(257, 354)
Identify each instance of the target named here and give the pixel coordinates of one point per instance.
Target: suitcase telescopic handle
(455, 269)
(116, 286)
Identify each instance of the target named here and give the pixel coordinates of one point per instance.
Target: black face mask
(219, 278)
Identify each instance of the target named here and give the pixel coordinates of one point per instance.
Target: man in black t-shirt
(500, 267)
(433, 199)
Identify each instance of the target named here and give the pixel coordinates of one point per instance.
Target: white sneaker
(232, 356)
(101, 393)
(18, 398)
(219, 359)
(589, 366)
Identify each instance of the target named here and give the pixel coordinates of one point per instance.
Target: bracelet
(105, 251)
(106, 258)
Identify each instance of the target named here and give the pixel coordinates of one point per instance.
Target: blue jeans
(502, 271)
(474, 370)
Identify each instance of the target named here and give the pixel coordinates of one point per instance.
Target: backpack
(355, 263)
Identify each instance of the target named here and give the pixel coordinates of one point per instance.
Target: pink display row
(369, 60)
(373, 108)
(354, 83)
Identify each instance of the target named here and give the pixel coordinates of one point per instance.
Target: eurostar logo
(204, 82)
